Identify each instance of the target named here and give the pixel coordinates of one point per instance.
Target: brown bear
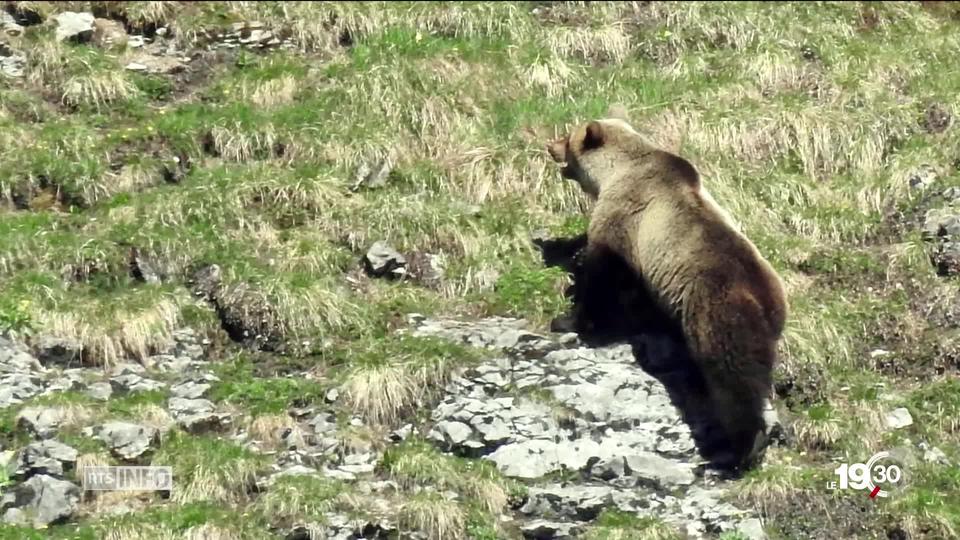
(652, 213)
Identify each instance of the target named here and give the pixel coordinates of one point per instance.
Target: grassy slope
(803, 118)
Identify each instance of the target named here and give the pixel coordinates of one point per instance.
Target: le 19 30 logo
(880, 476)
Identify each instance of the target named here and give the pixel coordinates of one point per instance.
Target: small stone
(131, 382)
(297, 470)
(323, 422)
(382, 260)
(549, 530)
(372, 177)
(332, 395)
(156, 65)
(196, 415)
(941, 222)
(189, 390)
(74, 26)
(752, 529)
(935, 455)
(402, 433)
(455, 432)
(922, 178)
(46, 457)
(899, 418)
(127, 441)
(43, 422)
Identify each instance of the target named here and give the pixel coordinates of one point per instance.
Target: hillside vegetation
(828, 130)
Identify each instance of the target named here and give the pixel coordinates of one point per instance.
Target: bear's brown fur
(652, 212)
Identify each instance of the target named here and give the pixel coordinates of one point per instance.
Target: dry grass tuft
(152, 13)
(137, 333)
(269, 429)
(98, 89)
(609, 43)
(228, 484)
(236, 143)
(381, 393)
(434, 515)
(272, 93)
(816, 433)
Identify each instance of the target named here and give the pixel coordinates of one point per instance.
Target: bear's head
(593, 152)
(603, 152)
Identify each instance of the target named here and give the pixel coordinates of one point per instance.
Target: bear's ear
(594, 136)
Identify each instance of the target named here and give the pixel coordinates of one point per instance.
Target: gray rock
(127, 441)
(12, 64)
(454, 432)
(16, 358)
(42, 422)
(167, 363)
(323, 422)
(752, 529)
(40, 501)
(45, 457)
(402, 433)
(143, 266)
(898, 418)
(58, 350)
(527, 459)
(187, 343)
(156, 65)
(131, 382)
(332, 395)
(190, 389)
(664, 473)
(338, 474)
(15, 388)
(374, 176)
(550, 530)
(946, 258)
(74, 26)
(297, 470)
(196, 415)
(382, 260)
(934, 455)
(100, 391)
(426, 268)
(602, 415)
(582, 503)
(922, 178)
(941, 222)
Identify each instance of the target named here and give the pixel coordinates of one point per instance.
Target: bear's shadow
(656, 341)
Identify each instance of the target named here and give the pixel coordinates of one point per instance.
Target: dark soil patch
(936, 118)
(820, 515)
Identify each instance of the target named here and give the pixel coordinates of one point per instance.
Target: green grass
(811, 155)
(240, 386)
(616, 525)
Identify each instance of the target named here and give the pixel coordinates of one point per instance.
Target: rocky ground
(584, 429)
